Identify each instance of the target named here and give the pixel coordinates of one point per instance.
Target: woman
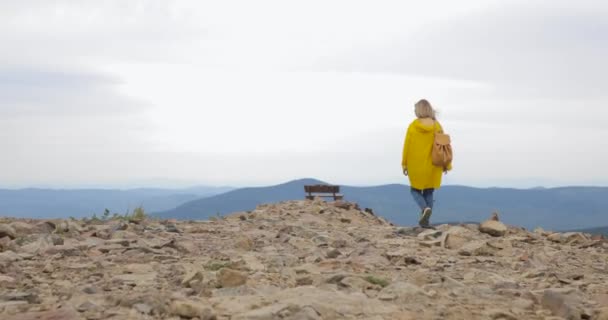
(417, 162)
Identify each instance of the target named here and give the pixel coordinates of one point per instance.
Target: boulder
(231, 278)
(494, 228)
(563, 303)
(22, 228)
(477, 248)
(192, 309)
(7, 231)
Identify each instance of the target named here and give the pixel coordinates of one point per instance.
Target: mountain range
(63, 203)
(565, 208)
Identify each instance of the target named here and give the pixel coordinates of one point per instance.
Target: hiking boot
(425, 217)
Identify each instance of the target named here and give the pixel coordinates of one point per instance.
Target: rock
(501, 315)
(562, 303)
(494, 228)
(68, 226)
(575, 238)
(343, 205)
(7, 231)
(456, 237)
(142, 308)
(429, 235)
(192, 309)
(8, 257)
(289, 261)
(601, 314)
(193, 276)
(333, 254)
(244, 243)
(56, 240)
(138, 268)
(356, 283)
(90, 290)
(455, 241)
(61, 314)
(172, 228)
(477, 248)
(6, 280)
(88, 306)
(523, 304)
(402, 291)
(231, 278)
(431, 243)
(557, 237)
(66, 250)
(21, 228)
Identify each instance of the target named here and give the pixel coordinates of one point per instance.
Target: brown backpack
(442, 149)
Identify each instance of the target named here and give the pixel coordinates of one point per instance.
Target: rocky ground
(297, 260)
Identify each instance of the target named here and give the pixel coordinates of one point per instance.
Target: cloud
(61, 32)
(36, 92)
(531, 49)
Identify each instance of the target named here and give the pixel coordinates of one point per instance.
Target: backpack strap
(437, 129)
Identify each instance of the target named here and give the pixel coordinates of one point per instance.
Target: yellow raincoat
(417, 156)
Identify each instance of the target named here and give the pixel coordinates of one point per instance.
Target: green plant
(377, 281)
(138, 214)
(216, 265)
(106, 214)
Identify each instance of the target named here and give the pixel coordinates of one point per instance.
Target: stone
(142, 308)
(402, 291)
(87, 306)
(61, 314)
(601, 314)
(244, 243)
(6, 279)
(494, 228)
(557, 237)
(333, 254)
(231, 278)
(562, 303)
(138, 268)
(429, 235)
(477, 248)
(282, 270)
(193, 276)
(7, 231)
(192, 309)
(21, 228)
(8, 257)
(455, 241)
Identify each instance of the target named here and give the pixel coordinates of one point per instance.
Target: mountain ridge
(553, 208)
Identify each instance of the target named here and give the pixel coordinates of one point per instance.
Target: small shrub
(138, 214)
(377, 281)
(216, 265)
(106, 214)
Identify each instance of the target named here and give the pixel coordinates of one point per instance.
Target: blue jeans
(423, 198)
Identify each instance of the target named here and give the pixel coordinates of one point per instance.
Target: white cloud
(239, 92)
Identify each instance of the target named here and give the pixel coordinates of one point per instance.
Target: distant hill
(50, 203)
(598, 230)
(551, 208)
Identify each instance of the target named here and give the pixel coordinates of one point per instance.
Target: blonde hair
(423, 109)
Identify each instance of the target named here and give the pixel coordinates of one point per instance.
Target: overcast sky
(175, 93)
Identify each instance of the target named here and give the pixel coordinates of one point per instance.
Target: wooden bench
(321, 190)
